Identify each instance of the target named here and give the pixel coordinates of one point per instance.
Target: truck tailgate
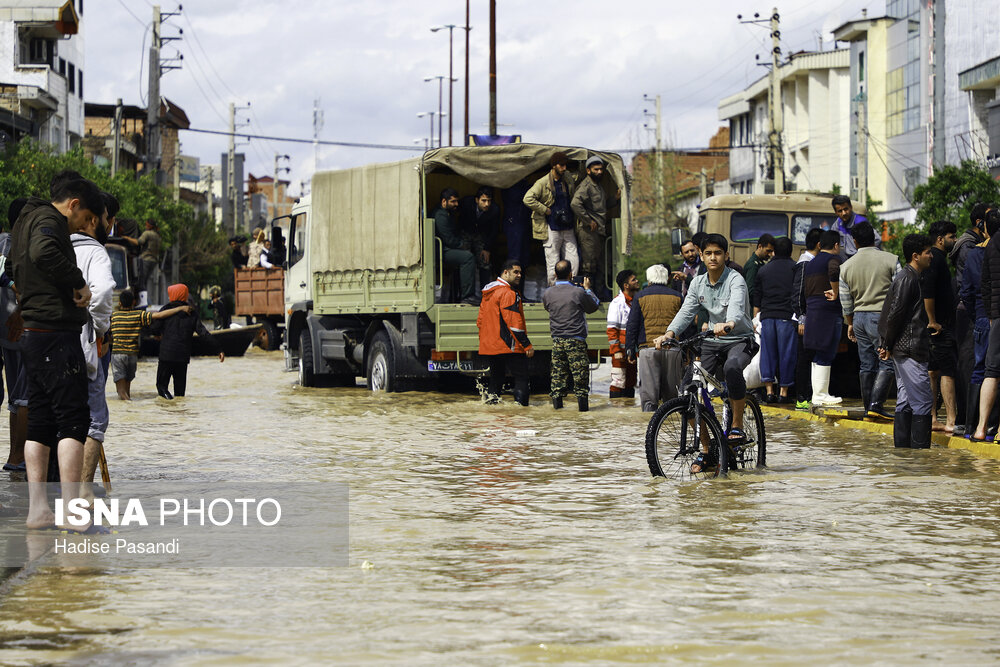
(455, 327)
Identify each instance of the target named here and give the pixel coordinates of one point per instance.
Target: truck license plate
(444, 366)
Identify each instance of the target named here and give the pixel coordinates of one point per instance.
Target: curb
(986, 449)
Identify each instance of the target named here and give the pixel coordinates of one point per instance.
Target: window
(71, 78)
(861, 67)
(701, 223)
(801, 224)
(297, 237)
(79, 87)
(747, 227)
(62, 67)
(118, 264)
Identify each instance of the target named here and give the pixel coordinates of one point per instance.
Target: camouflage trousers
(569, 357)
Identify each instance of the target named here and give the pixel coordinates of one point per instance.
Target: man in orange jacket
(502, 335)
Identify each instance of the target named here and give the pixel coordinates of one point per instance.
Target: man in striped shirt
(126, 325)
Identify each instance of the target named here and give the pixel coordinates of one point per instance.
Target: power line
(131, 13)
(346, 144)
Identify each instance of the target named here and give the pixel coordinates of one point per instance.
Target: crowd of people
(569, 219)
(61, 335)
(915, 327)
(261, 252)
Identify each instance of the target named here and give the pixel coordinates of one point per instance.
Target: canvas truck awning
(503, 166)
(367, 217)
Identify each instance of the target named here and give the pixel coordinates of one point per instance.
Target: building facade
(814, 110)
(41, 72)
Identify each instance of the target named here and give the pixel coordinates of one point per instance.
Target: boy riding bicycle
(721, 293)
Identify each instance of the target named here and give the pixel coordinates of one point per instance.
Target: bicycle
(681, 425)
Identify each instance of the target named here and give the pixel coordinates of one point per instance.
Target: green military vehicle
(365, 291)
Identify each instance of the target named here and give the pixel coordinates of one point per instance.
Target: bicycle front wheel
(675, 435)
(752, 453)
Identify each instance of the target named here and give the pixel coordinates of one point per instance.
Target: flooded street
(472, 544)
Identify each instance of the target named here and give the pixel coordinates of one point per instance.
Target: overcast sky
(568, 73)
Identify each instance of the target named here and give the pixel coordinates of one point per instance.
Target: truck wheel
(270, 337)
(307, 374)
(381, 364)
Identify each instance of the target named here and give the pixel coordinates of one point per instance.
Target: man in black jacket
(480, 223)
(54, 297)
(903, 337)
(772, 299)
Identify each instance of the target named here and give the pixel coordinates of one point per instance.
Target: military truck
(366, 293)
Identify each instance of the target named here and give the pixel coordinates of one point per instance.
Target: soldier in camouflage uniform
(568, 306)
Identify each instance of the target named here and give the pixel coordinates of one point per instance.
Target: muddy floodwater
(500, 535)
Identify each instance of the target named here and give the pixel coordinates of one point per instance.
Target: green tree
(952, 192)
(26, 169)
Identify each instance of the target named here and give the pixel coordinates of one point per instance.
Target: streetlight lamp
(451, 73)
(440, 80)
(432, 114)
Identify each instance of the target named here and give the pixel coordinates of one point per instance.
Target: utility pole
(277, 171)
(862, 159)
(210, 195)
(465, 137)
(777, 113)
(154, 138)
(493, 68)
(117, 145)
(231, 167)
(317, 128)
(153, 152)
(660, 208)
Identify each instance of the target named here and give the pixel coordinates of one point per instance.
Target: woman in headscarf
(175, 343)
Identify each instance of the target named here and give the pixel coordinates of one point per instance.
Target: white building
(815, 104)
(41, 71)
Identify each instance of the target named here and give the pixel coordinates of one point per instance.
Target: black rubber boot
(521, 397)
(920, 432)
(615, 392)
(972, 409)
(557, 403)
(902, 429)
(583, 402)
(628, 393)
(884, 381)
(867, 382)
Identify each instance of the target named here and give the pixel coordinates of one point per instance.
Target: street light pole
(493, 68)
(431, 114)
(451, 74)
(465, 137)
(440, 110)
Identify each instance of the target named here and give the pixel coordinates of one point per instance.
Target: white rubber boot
(821, 386)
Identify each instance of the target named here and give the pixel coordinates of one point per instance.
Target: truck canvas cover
(367, 217)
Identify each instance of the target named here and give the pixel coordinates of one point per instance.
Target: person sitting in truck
(480, 222)
(456, 252)
(236, 254)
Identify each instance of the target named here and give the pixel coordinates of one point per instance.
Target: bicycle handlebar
(692, 340)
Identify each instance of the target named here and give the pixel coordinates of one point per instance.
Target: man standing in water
(720, 292)
(904, 338)
(502, 336)
(54, 298)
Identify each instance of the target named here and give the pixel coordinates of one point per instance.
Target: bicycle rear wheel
(753, 452)
(672, 443)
